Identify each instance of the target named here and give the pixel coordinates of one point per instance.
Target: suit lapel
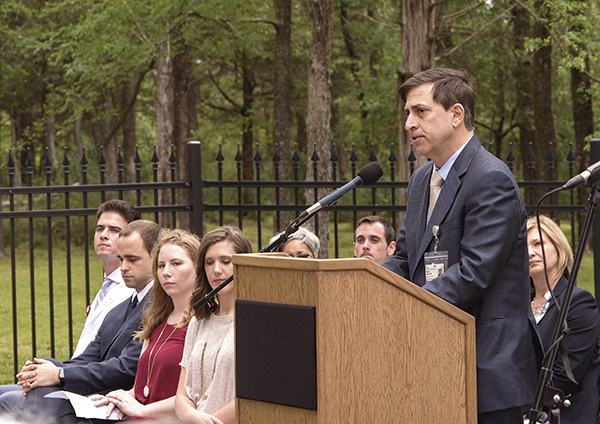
(417, 202)
(447, 194)
(133, 316)
(558, 291)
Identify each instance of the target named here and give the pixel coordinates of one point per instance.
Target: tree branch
(453, 16)
(382, 24)
(221, 108)
(212, 78)
(121, 120)
(558, 43)
(476, 33)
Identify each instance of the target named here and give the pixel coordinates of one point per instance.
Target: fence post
(196, 188)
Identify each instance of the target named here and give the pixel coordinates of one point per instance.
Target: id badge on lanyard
(436, 262)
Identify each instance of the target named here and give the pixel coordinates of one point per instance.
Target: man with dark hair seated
(110, 361)
(374, 239)
(113, 216)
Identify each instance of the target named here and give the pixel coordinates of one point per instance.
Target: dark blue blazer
(482, 221)
(108, 363)
(583, 350)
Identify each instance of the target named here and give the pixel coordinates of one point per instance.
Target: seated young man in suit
(112, 217)
(110, 361)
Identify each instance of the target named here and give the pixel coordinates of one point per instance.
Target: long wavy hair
(240, 243)
(162, 306)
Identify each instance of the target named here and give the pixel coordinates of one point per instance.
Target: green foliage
(68, 58)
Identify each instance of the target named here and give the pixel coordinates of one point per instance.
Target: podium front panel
(276, 356)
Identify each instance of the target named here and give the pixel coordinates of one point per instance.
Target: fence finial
(334, 156)
(373, 157)
(83, 162)
(276, 156)
(257, 156)
(392, 157)
(315, 155)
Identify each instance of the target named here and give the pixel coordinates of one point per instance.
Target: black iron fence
(44, 217)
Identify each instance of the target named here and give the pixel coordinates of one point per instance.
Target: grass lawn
(61, 330)
(42, 308)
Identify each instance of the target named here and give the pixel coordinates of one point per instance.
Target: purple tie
(102, 293)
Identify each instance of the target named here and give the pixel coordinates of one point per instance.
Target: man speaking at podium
(464, 238)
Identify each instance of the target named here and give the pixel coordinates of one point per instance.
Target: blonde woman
(583, 320)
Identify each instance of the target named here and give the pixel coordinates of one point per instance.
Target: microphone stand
(545, 394)
(368, 174)
(283, 237)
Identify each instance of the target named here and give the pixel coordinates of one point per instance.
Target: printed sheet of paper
(83, 406)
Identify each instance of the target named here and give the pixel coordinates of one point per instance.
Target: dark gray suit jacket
(482, 221)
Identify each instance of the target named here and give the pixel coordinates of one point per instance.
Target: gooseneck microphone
(368, 174)
(583, 177)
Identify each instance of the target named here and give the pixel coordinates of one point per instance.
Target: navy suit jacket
(582, 348)
(482, 221)
(108, 363)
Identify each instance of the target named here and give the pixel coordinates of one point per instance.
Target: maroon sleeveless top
(164, 364)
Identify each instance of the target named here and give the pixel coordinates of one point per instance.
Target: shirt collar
(445, 169)
(116, 276)
(144, 291)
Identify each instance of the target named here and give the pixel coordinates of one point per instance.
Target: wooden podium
(386, 350)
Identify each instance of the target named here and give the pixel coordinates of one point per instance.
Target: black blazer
(482, 222)
(583, 320)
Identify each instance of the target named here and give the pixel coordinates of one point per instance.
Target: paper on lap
(83, 406)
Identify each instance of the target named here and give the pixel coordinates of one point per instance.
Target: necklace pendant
(146, 391)
(204, 396)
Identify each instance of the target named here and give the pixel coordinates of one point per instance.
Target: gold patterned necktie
(434, 191)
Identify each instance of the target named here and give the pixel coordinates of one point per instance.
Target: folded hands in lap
(38, 373)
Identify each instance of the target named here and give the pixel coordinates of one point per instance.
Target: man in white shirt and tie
(113, 216)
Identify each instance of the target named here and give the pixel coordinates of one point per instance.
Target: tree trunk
(420, 19)
(165, 121)
(185, 121)
(542, 106)
(583, 121)
(319, 105)
(523, 78)
(50, 140)
(247, 129)
(127, 97)
(106, 144)
(78, 139)
(21, 122)
(583, 116)
(282, 112)
(354, 59)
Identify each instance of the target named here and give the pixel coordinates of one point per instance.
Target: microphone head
(370, 173)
